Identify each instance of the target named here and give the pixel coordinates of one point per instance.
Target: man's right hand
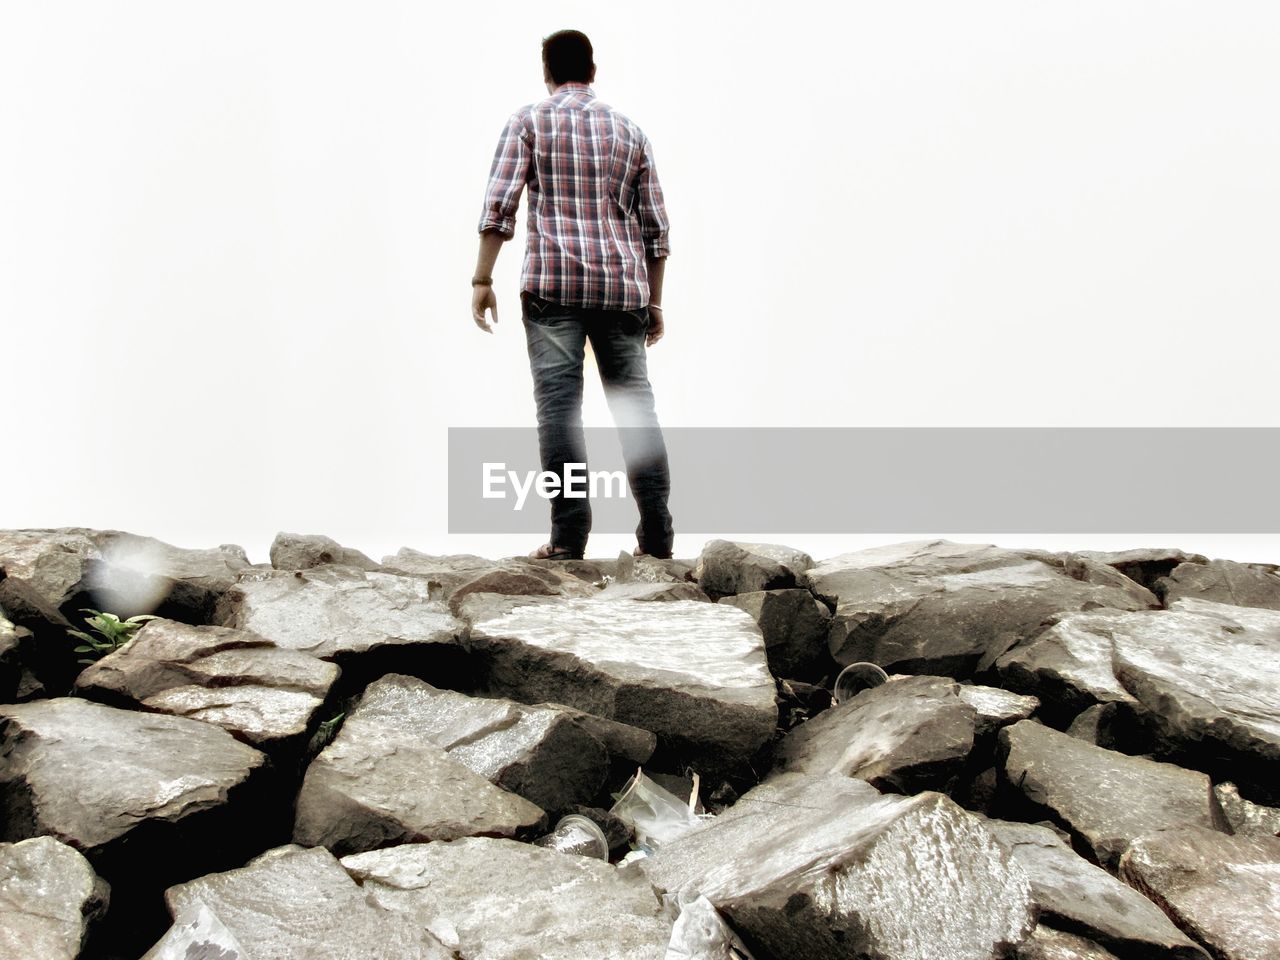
(482, 299)
(655, 331)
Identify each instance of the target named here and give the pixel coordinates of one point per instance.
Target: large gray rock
(336, 612)
(693, 673)
(795, 628)
(382, 781)
(501, 900)
(941, 607)
(90, 774)
(448, 574)
(1068, 665)
(49, 896)
(1223, 581)
(1104, 798)
(288, 904)
(1223, 890)
(43, 570)
(1075, 895)
(298, 551)
(830, 868)
(726, 567)
(907, 735)
(543, 753)
(242, 682)
(1207, 675)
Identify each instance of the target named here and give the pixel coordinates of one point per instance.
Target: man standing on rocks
(593, 266)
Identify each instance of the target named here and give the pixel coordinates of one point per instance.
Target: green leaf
(83, 648)
(144, 616)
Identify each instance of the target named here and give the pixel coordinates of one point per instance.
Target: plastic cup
(855, 678)
(577, 834)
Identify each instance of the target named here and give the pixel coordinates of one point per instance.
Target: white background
(236, 239)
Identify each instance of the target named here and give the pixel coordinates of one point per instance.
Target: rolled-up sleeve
(650, 207)
(507, 178)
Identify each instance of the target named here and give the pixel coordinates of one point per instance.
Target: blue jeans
(557, 335)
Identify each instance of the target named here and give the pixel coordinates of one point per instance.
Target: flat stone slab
(1207, 674)
(49, 896)
(288, 903)
(382, 781)
(1105, 798)
(906, 735)
(1223, 890)
(693, 673)
(90, 774)
(336, 611)
(827, 867)
(542, 753)
(933, 606)
(996, 707)
(299, 551)
(232, 678)
(1074, 894)
(501, 900)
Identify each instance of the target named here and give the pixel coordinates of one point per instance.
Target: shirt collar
(574, 86)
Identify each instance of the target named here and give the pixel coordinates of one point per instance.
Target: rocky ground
(1075, 756)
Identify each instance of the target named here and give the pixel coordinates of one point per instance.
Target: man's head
(566, 57)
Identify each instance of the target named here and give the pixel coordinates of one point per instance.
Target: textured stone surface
(501, 900)
(49, 895)
(1146, 565)
(232, 678)
(1046, 943)
(1223, 581)
(827, 867)
(693, 673)
(639, 590)
(1207, 674)
(726, 567)
(995, 707)
(1244, 816)
(382, 781)
(288, 904)
(1105, 798)
(909, 734)
(90, 774)
(542, 753)
(795, 627)
(1223, 890)
(332, 611)
(1076, 895)
(933, 606)
(43, 568)
(299, 551)
(1068, 665)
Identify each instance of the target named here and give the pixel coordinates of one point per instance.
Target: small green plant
(114, 633)
(325, 733)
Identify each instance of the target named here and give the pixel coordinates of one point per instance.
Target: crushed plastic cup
(855, 678)
(654, 813)
(577, 834)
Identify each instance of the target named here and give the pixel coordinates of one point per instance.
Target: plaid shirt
(595, 207)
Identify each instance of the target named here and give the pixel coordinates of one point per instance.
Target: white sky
(236, 239)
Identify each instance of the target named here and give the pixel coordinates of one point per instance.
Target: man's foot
(549, 552)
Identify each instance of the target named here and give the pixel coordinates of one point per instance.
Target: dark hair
(567, 56)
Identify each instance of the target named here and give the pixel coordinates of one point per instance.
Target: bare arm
(482, 295)
(657, 267)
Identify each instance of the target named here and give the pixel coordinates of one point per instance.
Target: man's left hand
(483, 298)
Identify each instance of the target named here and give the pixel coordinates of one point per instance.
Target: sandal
(549, 552)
